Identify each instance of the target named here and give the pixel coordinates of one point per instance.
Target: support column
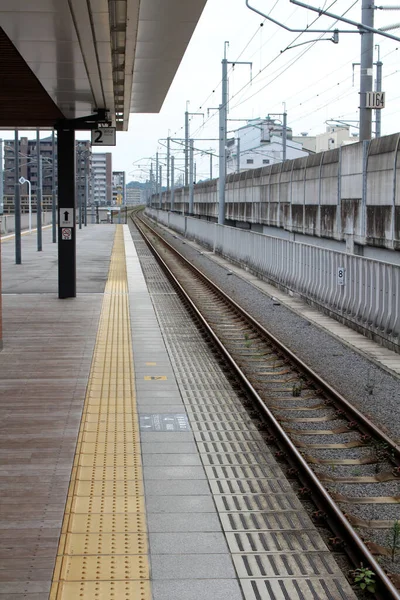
(66, 222)
(39, 193)
(53, 188)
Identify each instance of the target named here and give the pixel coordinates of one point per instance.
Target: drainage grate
(258, 502)
(275, 541)
(266, 521)
(297, 589)
(285, 565)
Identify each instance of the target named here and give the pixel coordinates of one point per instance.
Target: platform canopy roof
(65, 58)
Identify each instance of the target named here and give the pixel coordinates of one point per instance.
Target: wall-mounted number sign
(104, 136)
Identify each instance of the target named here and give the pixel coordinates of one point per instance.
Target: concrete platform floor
(44, 368)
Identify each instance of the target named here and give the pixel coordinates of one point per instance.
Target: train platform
(128, 468)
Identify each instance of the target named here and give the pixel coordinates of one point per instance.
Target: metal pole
(157, 173)
(151, 184)
(53, 188)
(211, 159)
(29, 204)
(86, 198)
(222, 143)
(284, 132)
(378, 112)
(172, 182)
(160, 187)
(1, 179)
(87, 175)
(186, 147)
(17, 202)
(168, 158)
(39, 193)
(238, 155)
(194, 173)
(366, 76)
(191, 179)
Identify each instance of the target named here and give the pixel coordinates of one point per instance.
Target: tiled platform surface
(44, 366)
(190, 558)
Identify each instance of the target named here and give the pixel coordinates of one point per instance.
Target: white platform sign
(341, 276)
(104, 136)
(66, 233)
(66, 217)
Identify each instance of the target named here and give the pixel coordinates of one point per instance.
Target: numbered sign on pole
(375, 100)
(341, 276)
(104, 136)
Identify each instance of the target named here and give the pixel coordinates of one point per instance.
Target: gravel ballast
(349, 372)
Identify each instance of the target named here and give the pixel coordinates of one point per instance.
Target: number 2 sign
(104, 136)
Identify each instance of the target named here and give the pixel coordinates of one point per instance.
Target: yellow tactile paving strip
(103, 547)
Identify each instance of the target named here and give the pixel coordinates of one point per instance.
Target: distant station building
(118, 190)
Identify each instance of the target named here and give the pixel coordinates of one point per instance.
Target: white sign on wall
(341, 275)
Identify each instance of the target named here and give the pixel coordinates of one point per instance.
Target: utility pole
(168, 158)
(238, 155)
(39, 193)
(172, 181)
(211, 173)
(191, 179)
(187, 114)
(223, 111)
(366, 75)
(17, 202)
(378, 112)
(160, 185)
(284, 132)
(53, 188)
(151, 184)
(157, 173)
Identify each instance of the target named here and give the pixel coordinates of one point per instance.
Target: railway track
(345, 463)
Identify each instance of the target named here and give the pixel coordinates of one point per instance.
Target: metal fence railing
(361, 291)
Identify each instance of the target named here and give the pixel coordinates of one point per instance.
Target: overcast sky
(315, 80)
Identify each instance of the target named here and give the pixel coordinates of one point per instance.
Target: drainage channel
(276, 549)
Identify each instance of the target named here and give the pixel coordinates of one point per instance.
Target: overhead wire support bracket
(362, 28)
(334, 39)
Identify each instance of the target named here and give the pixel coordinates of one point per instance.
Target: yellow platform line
(103, 549)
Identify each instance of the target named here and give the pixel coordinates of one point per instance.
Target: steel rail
(353, 545)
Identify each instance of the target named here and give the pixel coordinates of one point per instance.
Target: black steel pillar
(66, 220)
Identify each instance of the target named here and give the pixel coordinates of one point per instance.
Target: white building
(119, 197)
(334, 137)
(102, 178)
(134, 196)
(260, 143)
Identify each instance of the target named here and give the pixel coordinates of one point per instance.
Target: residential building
(118, 190)
(260, 143)
(102, 178)
(134, 195)
(29, 170)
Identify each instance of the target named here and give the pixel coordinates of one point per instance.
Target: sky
(316, 80)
